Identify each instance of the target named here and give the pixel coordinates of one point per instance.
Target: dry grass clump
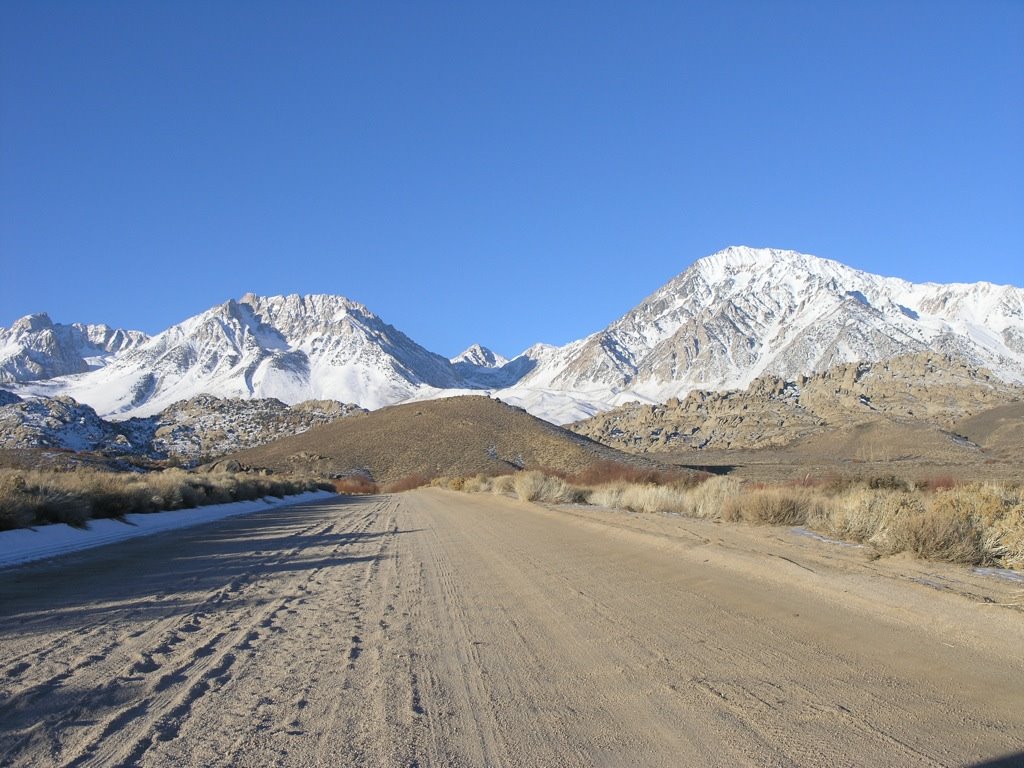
(503, 485)
(36, 497)
(477, 484)
(710, 498)
(533, 485)
(768, 506)
(872, 517)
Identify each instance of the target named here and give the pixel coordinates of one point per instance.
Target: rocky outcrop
(206, 426)
(189, 431)
(932, 388)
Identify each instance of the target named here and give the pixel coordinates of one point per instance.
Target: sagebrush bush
(708, 499)
(503, 485)
(532, 485)
(943, 534)
(477, 484)
(768, 506)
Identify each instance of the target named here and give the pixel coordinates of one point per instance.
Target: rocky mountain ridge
(728, 319)
(35, 348)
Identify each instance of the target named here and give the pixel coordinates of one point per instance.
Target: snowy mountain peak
(480, 356)
(38, 321)
(293, 348)
(35, 347)
(744, 312)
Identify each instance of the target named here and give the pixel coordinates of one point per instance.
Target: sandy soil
(435, 628)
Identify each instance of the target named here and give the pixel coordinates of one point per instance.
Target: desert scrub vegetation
(36, 497)
(973, 524)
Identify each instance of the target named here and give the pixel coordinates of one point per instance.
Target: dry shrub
(355, 484)
(170, 489)
(477, 484)
(974, 524)
(871, 516)
(503, 485)
(943, 534)
(708, 499)
(977, 524)
(889, 483)
(652, 498)
(770, 506)
(15, 510)
(408, 483)
(52, 504)
(608, 496)
(532, 485)
(1005, 539)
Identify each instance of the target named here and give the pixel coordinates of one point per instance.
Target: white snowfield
(46, 541)
(721, 323)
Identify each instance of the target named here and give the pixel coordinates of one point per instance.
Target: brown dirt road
(433, 628)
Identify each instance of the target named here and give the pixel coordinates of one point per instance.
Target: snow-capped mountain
(35, 348)
(744, 312)
(480, 357)
(290, 347)
(479, 368)
(726, 320)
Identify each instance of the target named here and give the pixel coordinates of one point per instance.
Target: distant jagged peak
(99, 334)
(33, 323)
(322, 305)
(481, 356)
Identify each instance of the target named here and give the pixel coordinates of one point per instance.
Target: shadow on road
(171, 573)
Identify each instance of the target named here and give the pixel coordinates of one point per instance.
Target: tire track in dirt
(171, 696)
(174, 661)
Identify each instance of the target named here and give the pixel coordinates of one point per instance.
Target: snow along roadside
(27, 544)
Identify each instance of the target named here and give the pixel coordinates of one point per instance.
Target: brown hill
(999, 430)
(454, 436)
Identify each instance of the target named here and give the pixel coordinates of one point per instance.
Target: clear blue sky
(502, 173)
